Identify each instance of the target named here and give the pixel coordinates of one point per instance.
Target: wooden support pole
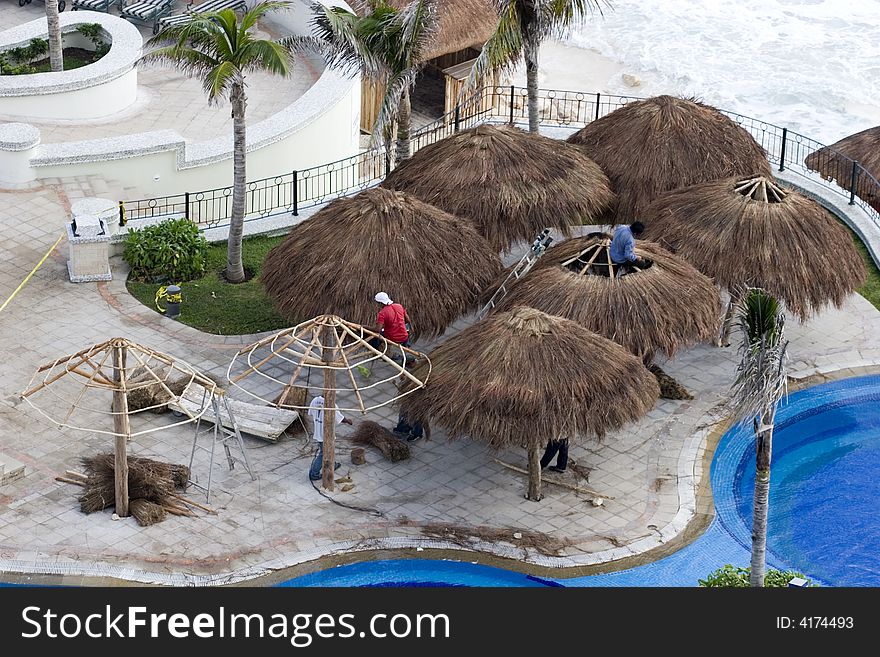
(534, 474)
(328, 464)
(121, 428)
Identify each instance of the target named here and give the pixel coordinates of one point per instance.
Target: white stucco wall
(91, 92)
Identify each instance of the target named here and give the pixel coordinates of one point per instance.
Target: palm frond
(419, 24)
(502, 51)
(391, 101)
(218, 82)
(189, 61)
(265, 55)
(255, 13)
(561, 15)
(761, 380)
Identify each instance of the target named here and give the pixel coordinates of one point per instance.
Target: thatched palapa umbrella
(80, 390)
(435, 264)
(652, 146)
(665, 307)
(511, 184)
(521, 377)
(750, 231)
(339, 353)
(836, 162)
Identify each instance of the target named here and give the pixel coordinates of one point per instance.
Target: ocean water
(810, 65)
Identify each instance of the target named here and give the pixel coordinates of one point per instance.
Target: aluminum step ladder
(521, 268)
(220, 435)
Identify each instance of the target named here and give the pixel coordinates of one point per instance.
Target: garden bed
(212, 305)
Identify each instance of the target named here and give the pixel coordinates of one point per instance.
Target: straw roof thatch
(666, 307)
(511, 184)
(835, 162)
(521, 377)
(434, 264)
(652, 146)
(752, 232)
(460, 24)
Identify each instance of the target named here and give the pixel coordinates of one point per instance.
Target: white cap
(381, 297)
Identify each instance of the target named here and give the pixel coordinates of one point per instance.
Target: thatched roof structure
(460, 24)
(835, 162)
(652, 146)
(666, 307)
(521, 377)
(752, 232)
(511, 184)
(435, 264)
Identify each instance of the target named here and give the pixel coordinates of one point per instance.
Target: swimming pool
(823, 511)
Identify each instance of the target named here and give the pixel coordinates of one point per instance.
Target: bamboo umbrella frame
(335, 349)
(71, 392)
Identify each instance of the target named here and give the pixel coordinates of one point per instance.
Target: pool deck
(448, 496)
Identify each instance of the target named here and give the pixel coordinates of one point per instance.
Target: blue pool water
(825, 484)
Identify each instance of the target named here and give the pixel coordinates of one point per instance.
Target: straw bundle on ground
(669, 387)
(522, 377)
(835, 162)
(434, 264)
(655, 145)
(149, 480)
(146, 512)
(511, 184)
(154, 396)
(370, 433)
(752, 232)
(666, 307)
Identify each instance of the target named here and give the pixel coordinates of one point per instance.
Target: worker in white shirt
(316, 412)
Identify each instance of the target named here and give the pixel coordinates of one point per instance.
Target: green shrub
(739, 577)
(172, 251)
(37, 48)
(95, 33)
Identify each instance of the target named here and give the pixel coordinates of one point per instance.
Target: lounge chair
(61, 4)
(94, 5)
(201, 8)
(147, 11)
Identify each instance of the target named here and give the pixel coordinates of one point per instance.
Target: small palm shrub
(728, 576)
(172, 251)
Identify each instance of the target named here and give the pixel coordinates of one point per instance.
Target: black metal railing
(290, 192)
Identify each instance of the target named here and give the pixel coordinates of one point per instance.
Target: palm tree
(522, 26)
(386, 47)
(56, 60)
(219, 48)
(760, 385)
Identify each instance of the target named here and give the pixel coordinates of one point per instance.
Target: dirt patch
(464, 537)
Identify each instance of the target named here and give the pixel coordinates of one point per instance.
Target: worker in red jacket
(392, 320)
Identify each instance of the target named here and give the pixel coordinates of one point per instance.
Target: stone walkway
(449, 495)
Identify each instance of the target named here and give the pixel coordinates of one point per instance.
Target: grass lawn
(871, 289)
(214, 306)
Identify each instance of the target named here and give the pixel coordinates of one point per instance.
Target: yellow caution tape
(162, 295)
(33, 271)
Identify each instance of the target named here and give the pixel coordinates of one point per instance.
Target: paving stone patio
(448, 495)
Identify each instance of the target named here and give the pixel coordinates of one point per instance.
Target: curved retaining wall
(91, 92)
(320, 125)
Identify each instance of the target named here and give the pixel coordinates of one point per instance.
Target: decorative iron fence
(288, 193)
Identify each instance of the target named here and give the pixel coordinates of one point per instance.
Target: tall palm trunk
(531, 57)
(234, 267)
(404, 127)
(56, 61)
(760, 509)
